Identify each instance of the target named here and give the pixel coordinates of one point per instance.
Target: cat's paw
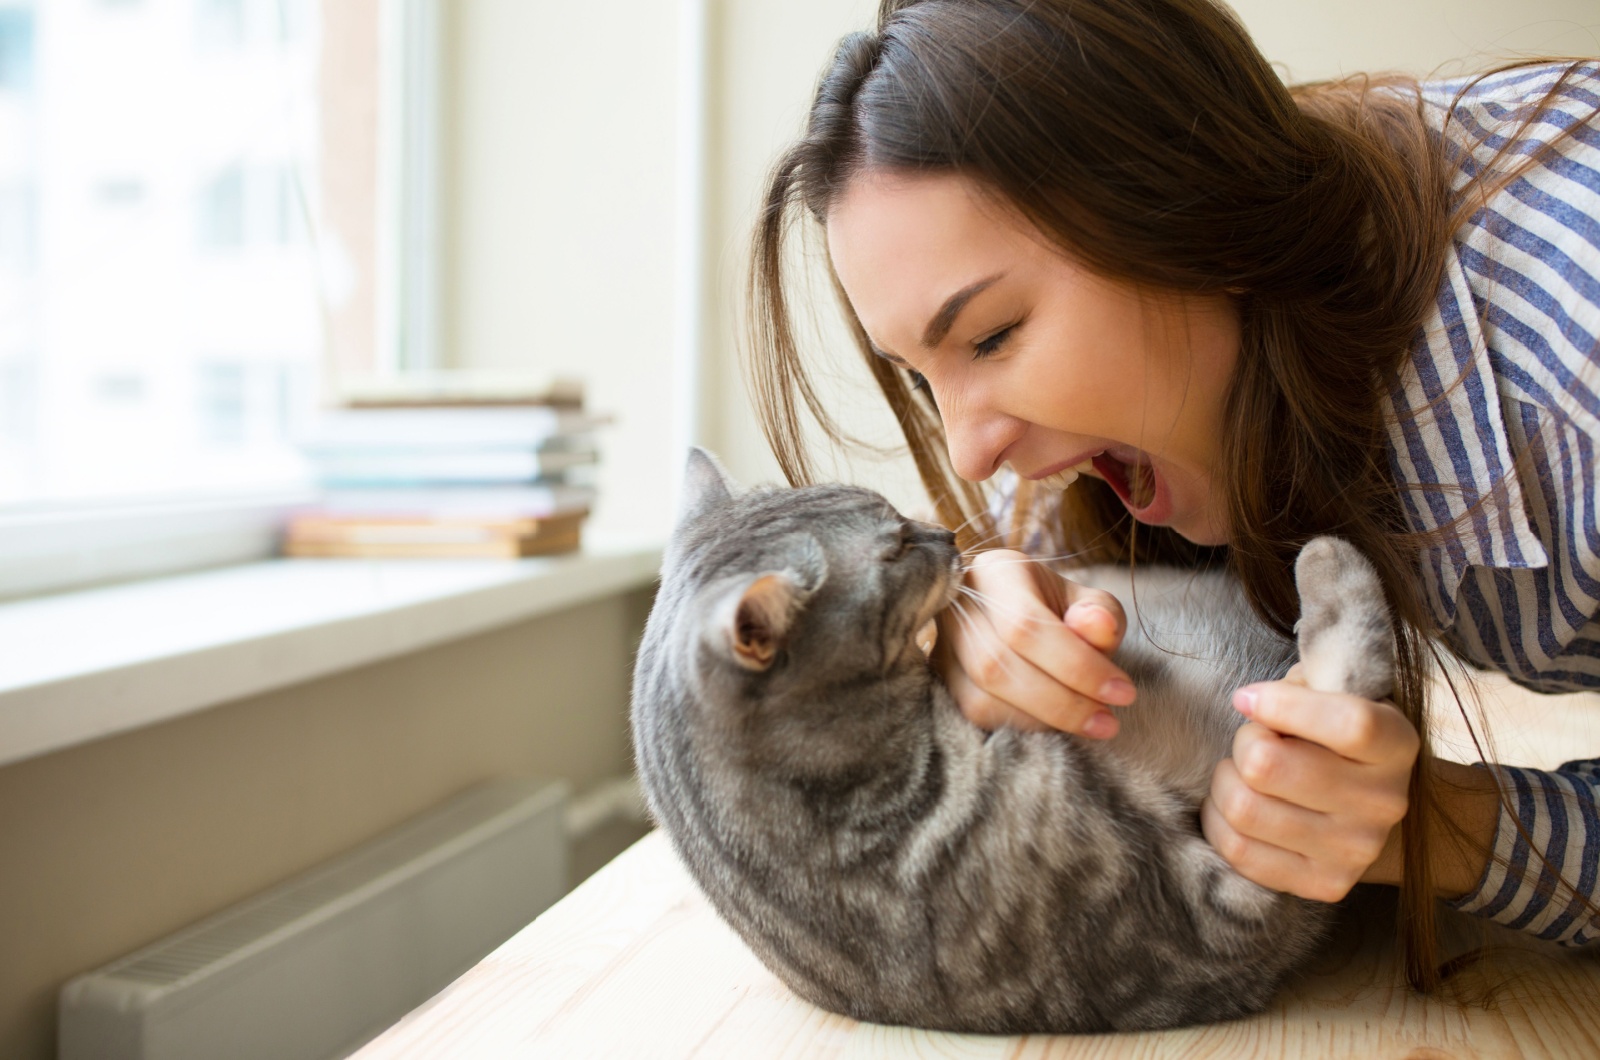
(1345, 636)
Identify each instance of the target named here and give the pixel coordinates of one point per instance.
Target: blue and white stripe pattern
(1556, 810)
(1501, 405)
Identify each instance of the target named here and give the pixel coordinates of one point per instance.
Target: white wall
(1314, 40)
(557, 220)
(768, 58)
(560, 205)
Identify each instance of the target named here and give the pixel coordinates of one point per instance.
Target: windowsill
(85, 665)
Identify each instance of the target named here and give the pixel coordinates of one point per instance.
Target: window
(190, 222)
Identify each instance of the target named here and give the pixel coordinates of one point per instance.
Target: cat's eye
(900, 544)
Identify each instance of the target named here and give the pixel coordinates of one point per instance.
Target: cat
(892, 862)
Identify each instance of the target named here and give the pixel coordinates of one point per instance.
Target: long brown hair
(1152, 141)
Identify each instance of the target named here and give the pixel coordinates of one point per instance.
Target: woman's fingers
(1010, 596)
(1264, 863)
(994, 680)
(1095, 615)
(1316, 784)
(986, 711)
(1355, 728)
(1008, 651)
(1307, 774)
(1334, 848)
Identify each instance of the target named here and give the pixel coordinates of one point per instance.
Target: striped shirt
(1508, 365)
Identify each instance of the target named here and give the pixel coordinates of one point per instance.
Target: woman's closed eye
(991, 345)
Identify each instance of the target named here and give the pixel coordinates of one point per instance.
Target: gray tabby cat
(892, 862)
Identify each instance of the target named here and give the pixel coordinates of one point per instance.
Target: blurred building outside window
(192, 216)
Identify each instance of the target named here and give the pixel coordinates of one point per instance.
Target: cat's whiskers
(971, 625)
(968, 521)
(1063, 557)
(994, 540)
(966, 620)
(991, 603)
(979, 549)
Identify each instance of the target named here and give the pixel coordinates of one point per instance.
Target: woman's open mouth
(1134, 480)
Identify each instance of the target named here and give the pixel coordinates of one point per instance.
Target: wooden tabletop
(634, 963)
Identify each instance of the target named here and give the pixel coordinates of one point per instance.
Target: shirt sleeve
(1556, 810)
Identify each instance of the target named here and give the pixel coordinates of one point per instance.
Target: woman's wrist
(1467, 798)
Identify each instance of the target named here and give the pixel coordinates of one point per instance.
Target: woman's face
(1033, 360)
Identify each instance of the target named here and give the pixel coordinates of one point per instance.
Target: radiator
(315, 966)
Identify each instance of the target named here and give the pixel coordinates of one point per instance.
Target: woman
(1102, 239)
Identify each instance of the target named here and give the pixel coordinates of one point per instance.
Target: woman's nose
(977, 437)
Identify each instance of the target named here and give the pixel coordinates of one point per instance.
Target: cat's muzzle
(948, 586)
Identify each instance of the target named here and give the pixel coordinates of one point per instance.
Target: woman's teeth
(1060, 480)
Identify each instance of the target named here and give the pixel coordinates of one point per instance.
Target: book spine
(446, 428)
(314, 528)
(499, 548)
(511, 467)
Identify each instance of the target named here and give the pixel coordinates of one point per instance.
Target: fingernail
(1244, 701)
(1100, 726)
(1117, 692)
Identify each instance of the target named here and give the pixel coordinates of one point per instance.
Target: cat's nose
(931, 534)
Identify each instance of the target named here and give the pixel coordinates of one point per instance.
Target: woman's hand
(1031, 651)
(1309, 802)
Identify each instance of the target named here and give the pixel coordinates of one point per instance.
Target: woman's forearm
(1466, 796)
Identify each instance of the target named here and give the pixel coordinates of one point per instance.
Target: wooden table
(634, 963)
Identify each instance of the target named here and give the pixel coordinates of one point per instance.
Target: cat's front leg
(1345, 634)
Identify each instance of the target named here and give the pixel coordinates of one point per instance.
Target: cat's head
(797, 588)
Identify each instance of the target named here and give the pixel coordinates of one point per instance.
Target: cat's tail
(1345, 634)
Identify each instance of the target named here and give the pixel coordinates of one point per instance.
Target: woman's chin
(1198, 529)
(1183, 503)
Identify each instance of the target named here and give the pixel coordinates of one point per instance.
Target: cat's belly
(1191, 641)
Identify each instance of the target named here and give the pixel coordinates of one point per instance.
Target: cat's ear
(705, 485)
(758, 622)
(758, 614)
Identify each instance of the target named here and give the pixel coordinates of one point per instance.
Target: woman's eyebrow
(945, 318)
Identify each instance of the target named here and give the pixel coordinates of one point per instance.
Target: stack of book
(436, 470)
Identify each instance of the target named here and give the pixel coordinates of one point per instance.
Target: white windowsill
(85, 665)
